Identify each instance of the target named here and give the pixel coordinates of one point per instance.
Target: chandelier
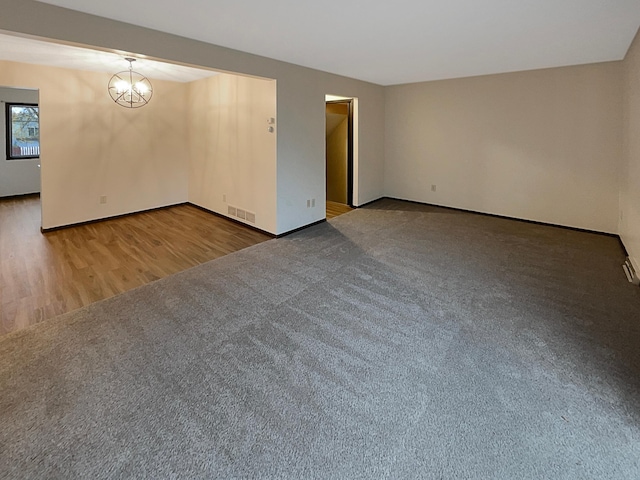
(130, 89)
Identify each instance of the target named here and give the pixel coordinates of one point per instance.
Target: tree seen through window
(23, 131)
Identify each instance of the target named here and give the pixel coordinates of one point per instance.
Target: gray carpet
(396, 341)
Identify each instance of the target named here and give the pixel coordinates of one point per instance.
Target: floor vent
(630, 272)
(241, 214)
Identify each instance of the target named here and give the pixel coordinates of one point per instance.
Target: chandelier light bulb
(141, 88)
(122, 86)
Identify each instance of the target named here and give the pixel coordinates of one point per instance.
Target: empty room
(471, 311)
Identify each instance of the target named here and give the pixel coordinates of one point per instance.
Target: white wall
(630, 178)
(91, 147)
(232, 153)
(17, 177)
(300, 170)
(542, 145)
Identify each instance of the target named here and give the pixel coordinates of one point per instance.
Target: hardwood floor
(44, 275)
(335, 209)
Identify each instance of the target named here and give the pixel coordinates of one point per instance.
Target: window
(23, 131)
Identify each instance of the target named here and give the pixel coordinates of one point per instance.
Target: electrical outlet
(313, 202)
(103, 199)
(224, 198)
(308, 203)
(433, 188)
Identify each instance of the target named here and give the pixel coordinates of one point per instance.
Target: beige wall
(233, 155)
(92, 147)
(630, 178)
(301, 94)
(540, 145)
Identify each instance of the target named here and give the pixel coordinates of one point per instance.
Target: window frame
(9, 130)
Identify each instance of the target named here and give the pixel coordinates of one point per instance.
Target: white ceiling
(400, 41)
(25, 50)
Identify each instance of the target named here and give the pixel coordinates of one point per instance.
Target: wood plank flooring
(44, 275)
(335, 209)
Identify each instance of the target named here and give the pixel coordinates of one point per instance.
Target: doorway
(20, 142)
(339, 115)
